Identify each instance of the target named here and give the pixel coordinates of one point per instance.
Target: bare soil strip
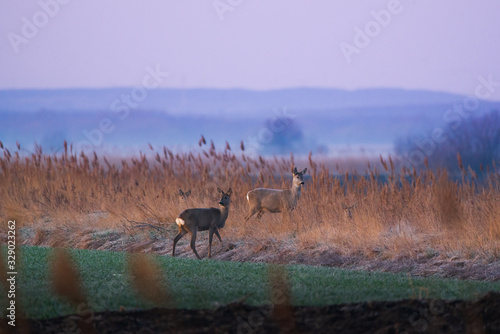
(407, 316)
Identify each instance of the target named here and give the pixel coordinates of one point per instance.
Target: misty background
(416, 79)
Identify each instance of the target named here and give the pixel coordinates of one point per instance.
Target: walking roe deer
(200, 219)
(275, 200)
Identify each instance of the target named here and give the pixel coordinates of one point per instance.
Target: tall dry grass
(398, 213)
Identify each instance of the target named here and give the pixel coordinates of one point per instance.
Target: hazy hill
(209, 101)
(315, 119)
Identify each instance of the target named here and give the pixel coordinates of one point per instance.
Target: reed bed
(398, 212)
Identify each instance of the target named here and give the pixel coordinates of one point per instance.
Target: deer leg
(284, 215)
(193, 242)
(181, 233)
(296, 219)
(210, 237)
(251, 212)
(218, 235)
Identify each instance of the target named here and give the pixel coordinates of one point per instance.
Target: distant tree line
(476, 139)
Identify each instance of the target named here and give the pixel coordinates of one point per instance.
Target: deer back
(273, 200)
(202, 218)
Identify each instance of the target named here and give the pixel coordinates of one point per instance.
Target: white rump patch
(180, 221)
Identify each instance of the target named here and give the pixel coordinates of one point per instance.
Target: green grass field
(208, 283)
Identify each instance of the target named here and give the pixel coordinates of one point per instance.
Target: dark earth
(407, 316)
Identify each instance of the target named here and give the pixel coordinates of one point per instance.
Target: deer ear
(180, 192)
(230, 191)
(295, 170)
(188, 193)
(220, 190)
(303, 171)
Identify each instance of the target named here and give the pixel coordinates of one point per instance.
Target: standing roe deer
(349, 209)
(184, 195)
(274, 200)
(212, 219)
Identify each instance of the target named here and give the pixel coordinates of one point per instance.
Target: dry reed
(147, 280)
(398, 213)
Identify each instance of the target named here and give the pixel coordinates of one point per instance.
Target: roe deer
(183, 201)
(274, 200)
(349, 209)
(184, 195)
(212, 219)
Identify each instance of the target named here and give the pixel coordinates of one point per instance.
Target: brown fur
(274, 200)
(212, 219)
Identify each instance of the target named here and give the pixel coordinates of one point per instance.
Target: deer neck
(224, 213)
(296, 191)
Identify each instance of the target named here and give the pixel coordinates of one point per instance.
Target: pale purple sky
(257, 44)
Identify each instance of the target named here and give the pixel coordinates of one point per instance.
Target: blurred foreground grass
(209, 283)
